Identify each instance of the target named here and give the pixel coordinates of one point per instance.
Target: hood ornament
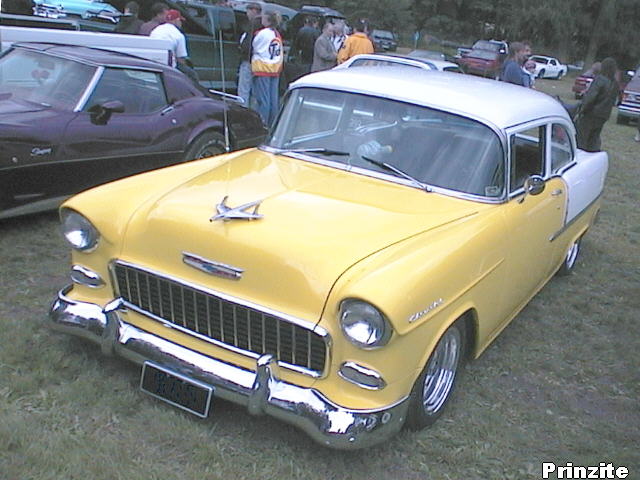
(227, 213)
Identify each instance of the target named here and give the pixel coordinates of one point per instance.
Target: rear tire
(570, 258)
(206, 145)
(541, 74)
(434, 386)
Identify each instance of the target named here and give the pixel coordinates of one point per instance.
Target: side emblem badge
(212, 268)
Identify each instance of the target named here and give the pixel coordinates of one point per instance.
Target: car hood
(317, 221)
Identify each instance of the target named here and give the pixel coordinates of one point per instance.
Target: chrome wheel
(572, 255)
(434, 386)
(570, 259)
(441, 371)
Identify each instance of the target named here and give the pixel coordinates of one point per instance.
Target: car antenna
(224, 84)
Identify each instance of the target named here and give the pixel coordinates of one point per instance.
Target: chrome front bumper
(261, 391)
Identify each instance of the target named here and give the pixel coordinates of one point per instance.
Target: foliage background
(573, 30)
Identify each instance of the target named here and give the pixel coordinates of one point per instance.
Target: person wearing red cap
(170, 30)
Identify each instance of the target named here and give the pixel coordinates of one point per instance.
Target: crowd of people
(591, 113)
(318, 47)
(165, 24)
(314, 48)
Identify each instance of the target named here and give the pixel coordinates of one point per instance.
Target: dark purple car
(74, 117)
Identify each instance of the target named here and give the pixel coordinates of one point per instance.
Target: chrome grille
(225, 322)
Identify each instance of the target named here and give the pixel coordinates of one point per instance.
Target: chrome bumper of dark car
(261, 391)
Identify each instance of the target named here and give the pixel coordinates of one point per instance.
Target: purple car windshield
(46, 80)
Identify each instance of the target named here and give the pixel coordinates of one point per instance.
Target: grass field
(560, 384)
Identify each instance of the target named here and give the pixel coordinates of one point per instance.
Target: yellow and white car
(339, 275)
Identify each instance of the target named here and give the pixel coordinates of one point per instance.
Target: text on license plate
(176, 389)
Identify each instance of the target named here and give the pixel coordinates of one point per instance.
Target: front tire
(434, 386)
(206, 145)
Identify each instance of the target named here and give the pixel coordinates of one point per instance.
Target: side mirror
(533, 185)
(101, 113)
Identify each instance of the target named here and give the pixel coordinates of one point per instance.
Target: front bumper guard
(260, 391)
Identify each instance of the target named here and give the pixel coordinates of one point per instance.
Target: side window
(561, 151)
(527, 155)
(138, 90)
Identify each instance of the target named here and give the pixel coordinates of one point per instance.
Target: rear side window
(561, 150)
(527, 155)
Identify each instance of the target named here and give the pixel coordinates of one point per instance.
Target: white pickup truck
(149, 48)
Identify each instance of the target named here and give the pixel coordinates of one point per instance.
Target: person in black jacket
(129, 22)
(596, 106)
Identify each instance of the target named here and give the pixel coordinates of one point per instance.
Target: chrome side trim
(574, 219)
(226, 95)
(261, 391)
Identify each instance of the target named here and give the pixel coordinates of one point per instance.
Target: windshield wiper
(398, 172)
(325, 151)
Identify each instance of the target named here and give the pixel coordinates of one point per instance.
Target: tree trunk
(606, 13)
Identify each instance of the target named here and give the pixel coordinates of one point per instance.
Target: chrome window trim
(82, 102)
(310, 326)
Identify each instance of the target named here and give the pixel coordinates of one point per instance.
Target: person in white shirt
(170, 30)
(267, 58)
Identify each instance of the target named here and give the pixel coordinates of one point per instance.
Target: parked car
(629, 106)
(73, 117)
(338, 276)
(485, 58)
(155, 49)
(210, 29)
(76, 8)
(548, 67)
(384, 41)
(583, 82)
(387, 60)
(432, 54)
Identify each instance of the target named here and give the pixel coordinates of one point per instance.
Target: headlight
(78, 231)
(363, 324)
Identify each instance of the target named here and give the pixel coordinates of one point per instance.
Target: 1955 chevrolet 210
(338, 276)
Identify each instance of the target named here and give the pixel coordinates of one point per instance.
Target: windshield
(433, 147)
(43, 79)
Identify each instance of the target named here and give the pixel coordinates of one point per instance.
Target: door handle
(556, 192)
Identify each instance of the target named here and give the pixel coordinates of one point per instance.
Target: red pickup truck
(485, 58)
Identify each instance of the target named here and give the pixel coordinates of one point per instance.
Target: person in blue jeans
(266, 65)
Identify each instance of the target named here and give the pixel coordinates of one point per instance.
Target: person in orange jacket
(356, 43)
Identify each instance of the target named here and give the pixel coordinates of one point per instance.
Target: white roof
(419, 62)
(498, 103)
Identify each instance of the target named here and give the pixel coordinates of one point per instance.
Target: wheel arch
(212, 126)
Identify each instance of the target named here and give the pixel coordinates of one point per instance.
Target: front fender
(423, 285)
